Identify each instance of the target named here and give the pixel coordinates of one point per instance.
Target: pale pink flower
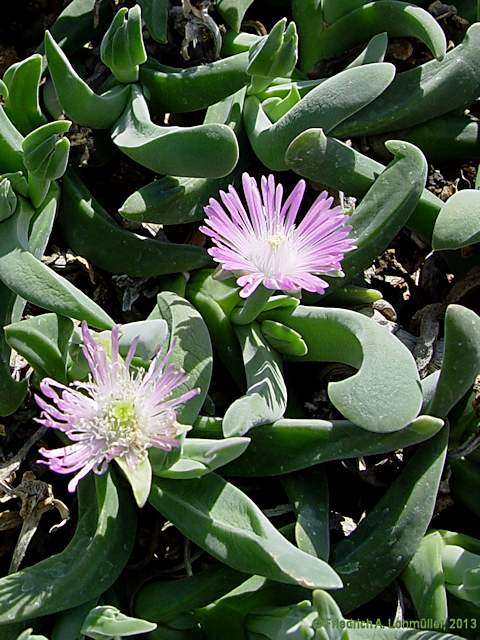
(263, 245)
(115, 414)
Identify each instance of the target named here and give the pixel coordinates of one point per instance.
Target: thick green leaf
(159, 602)
(139, 478)
(386, 540)
(448, 138)
(374, 51)
(425, 581)
(385, 394)
(198, 457)
(398, 19)
(122, 48)
(289, 445)
(43, 341)
(79, 102)
(458, 223)
(308, 493)
(461, 360)
(173, 90)
(266, 397)
(384, 209)
(21, 105)
(92, 561)
(202, 151)
(83, 221)
(109, 623)
(216, 300)
(32, 280)
(225, 522)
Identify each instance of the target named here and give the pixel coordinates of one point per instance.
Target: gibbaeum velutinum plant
(265, 247)
(116, 414)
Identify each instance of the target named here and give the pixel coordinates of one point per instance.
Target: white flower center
(276, 240)
(273, 254)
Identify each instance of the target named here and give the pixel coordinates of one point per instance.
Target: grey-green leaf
(225, 522)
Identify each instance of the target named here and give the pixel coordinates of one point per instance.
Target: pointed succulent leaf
(432, 89)
(325, 106)
(352, 338)
(83, 220)
(296, 622)
(315, 156)
(192, 348)
(87, 567)
(425, 581)
(461, 360)
(398, 19)
(139, 478)
(45, 154)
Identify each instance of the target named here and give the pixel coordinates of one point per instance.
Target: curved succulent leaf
(192, 349)
(458, 223)
(203, 151)
(266, 397)
(421, 94)
(32, 280)
(461, 360)
(172, 90)
(294, 444)
(320, 158)
(396, 18)
(83, 221)
(79, 102)
(45, 155)
(383, 362)
(326, 106)
(221, 519)
(386, 540)
(21, 106)
(384, 209)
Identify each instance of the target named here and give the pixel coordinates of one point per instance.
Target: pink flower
(115, 414)
(265, 246)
